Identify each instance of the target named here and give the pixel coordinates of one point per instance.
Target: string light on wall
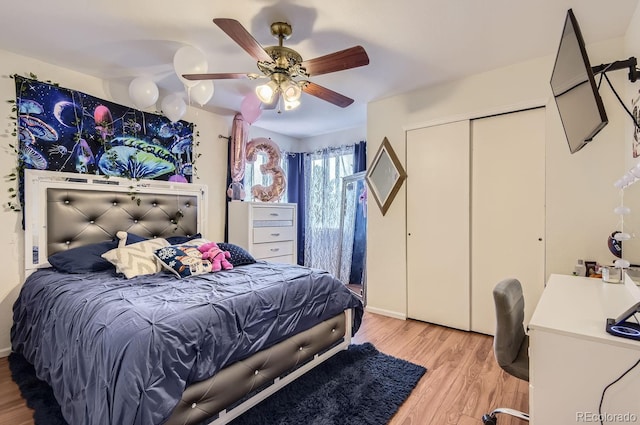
(628, 179)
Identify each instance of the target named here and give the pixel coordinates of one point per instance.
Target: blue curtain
(295, 194)
(360, 231)
(360, 157)
(226, 198)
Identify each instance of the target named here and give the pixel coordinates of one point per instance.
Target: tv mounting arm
(630, 63)
(634, 72)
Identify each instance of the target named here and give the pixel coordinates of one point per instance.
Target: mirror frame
(394, 177)
(354, 178)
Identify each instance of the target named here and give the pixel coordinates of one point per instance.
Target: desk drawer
(272, 234)
(272, 249)
(273, 213)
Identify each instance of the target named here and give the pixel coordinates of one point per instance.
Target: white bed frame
(35, 210)
(36, 183)
(227, 416)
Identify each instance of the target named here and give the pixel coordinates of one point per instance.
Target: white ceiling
(410, 43)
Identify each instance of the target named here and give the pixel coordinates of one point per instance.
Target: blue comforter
(119, 351)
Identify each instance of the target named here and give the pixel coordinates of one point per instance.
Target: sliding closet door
(507, 219)
(438, 224)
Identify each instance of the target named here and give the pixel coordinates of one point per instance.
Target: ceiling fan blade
(338, 61)
(325, 94)
(223, 76)
(240, 35)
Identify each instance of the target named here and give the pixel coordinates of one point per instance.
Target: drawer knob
(274, 214)
(275, 249)
(275, 234)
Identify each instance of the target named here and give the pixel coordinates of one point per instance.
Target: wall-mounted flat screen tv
(574, 88)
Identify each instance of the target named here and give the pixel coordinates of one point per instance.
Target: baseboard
(388, 313)
(4, 352)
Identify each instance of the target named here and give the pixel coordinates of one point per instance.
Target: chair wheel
(489, 419)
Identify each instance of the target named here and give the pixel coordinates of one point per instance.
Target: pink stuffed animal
(218, 258)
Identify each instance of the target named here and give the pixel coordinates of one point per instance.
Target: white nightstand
(266, 230)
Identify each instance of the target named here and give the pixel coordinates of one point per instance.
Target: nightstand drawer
(273, 213)
(273, 234)
(272, 249)
(287, 259)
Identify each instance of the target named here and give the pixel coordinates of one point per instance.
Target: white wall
(347, 136)
(579, 187)
(286, 143)
(211, 167)
(631, 196)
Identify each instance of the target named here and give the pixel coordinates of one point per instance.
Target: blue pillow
(83, 259)
(173, 240)
(133, 238)
(239, 256)
(177, 240)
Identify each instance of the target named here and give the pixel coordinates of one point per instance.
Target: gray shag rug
(358, 386)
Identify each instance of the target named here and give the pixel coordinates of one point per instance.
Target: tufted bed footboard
(265, 370)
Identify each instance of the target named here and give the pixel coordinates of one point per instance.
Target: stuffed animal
(218, 258)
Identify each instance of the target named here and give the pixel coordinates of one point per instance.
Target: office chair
(510, 344)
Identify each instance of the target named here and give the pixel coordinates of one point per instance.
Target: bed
(154, 347)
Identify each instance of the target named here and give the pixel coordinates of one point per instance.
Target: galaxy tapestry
(61, 129)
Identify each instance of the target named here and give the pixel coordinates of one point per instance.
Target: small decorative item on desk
(591, 268)
(611, 274)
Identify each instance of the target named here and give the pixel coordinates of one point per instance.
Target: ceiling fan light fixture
(289, 105)
(266, 92)
(291, 92)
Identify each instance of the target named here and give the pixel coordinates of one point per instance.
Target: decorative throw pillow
(183, 260)
(83, 259)
(195, 241)
(239, 256)
(137, 259)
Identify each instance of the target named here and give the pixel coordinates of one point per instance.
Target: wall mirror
(353, 241)
(385, 176)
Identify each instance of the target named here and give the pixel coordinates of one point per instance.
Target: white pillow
(122, 238)
(196, 242)
(137, 259)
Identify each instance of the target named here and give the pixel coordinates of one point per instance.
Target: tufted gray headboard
(64, 210)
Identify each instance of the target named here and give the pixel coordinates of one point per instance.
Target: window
(323, 193)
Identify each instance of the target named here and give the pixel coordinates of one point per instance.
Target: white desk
(572, 358)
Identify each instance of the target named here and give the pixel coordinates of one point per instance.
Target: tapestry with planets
(60, 129)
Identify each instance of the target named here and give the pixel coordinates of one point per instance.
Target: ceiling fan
(284, 67)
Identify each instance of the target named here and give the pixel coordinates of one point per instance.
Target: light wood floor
(462, 382)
